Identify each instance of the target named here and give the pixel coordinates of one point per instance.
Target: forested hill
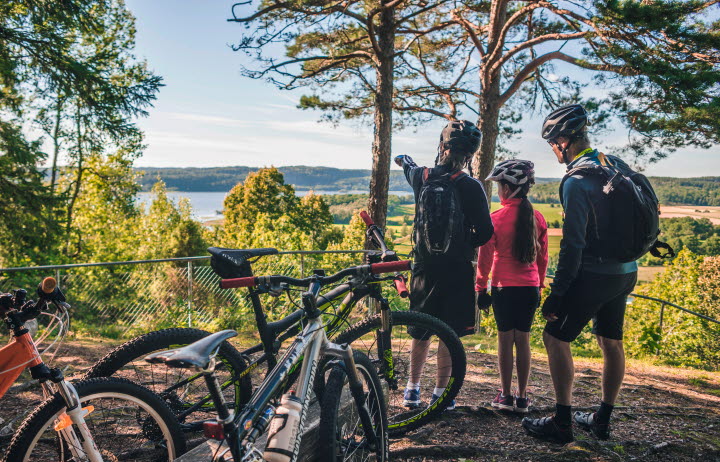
(670, 191)
(302, 177)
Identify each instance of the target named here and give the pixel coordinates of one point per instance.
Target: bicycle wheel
(182, 389)
(400, 417)
(128, 423)
(341, 436)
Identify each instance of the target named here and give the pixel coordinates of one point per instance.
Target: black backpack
(630, 227)
(439, 218)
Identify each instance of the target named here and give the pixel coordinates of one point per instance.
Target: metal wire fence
(122, 299)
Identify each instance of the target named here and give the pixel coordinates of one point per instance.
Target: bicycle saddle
(238, 257)
(195, 355)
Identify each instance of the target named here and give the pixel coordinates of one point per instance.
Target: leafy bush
(692, 282)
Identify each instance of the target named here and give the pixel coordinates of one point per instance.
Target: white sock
(412, 386)
(438, 391)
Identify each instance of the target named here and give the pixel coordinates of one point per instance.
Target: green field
(551, 212)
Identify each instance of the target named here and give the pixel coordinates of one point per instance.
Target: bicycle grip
(48, 285)
(401, 287)
(238, 282)
(366, 218)
(391, 266)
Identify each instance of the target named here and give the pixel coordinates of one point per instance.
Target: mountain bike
(383, 337)
(108, 419)
(355, 433)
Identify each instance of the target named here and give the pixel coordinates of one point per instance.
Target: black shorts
(445, 290)
(600, 297)
(514, 307)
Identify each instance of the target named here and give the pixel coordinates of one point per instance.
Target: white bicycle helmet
(514, 171)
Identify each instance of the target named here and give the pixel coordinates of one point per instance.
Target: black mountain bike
(383, 337)
(353, 422)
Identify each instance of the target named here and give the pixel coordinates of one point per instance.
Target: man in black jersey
(442, 284)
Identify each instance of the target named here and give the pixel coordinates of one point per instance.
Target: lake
(208, 205)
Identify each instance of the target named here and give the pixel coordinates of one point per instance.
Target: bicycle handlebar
(366, 218)
(48, 285)
(375, 268)
(390, 266)
(401, 286)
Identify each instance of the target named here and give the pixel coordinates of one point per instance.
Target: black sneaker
(587, 421)
(522, 404)
(546, 428)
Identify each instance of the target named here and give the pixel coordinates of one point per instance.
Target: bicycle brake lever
(277, 290)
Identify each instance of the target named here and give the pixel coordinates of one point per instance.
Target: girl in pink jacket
(514, 260)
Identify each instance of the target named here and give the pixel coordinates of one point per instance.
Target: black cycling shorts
(514, 307)
(445, 290)
(600, 297)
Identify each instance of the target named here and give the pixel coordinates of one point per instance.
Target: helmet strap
(514, 193)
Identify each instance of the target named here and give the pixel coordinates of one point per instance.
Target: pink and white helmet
(514, 171)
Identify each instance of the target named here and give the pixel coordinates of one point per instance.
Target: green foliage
(66, 69)
(687, 191)
(265, 212)
(26, 204)
(168, 230)
(699, 236)
(690, 281)
(344, 206)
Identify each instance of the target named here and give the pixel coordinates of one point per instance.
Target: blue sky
(209, 115)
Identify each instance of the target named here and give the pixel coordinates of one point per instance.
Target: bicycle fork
(71, 425)
(345, 353)
(384, 343)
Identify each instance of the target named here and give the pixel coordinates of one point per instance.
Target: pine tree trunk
(382, 142)
(56, 145)
(490, 99)
(484, 159)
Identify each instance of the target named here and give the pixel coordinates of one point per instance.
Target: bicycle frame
(15, 357)
(243, 429)
(20, 354)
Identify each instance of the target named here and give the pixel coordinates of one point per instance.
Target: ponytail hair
(525, 246)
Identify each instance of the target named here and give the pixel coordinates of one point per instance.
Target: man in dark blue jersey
(587, 285)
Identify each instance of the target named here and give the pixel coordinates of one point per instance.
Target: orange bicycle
(94, 420)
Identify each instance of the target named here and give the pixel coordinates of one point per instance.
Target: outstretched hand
(399, 160)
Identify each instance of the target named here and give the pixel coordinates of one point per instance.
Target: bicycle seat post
(225, 417)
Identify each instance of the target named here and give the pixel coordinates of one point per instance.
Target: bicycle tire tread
(449, 337)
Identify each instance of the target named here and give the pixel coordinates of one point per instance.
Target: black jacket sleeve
(476, 210)
(413, 174)
(577, 204)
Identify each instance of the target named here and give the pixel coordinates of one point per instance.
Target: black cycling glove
(484, 300)
(553, 305)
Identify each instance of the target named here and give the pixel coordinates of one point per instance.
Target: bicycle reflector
(64, 421)
(213, 430)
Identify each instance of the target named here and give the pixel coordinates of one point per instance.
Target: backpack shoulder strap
(456, 175)
(581, 171)
(426, 174)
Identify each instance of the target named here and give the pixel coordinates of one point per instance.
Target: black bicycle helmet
(565, 121)
(460, 136)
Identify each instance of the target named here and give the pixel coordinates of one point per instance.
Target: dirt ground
(663, 414)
